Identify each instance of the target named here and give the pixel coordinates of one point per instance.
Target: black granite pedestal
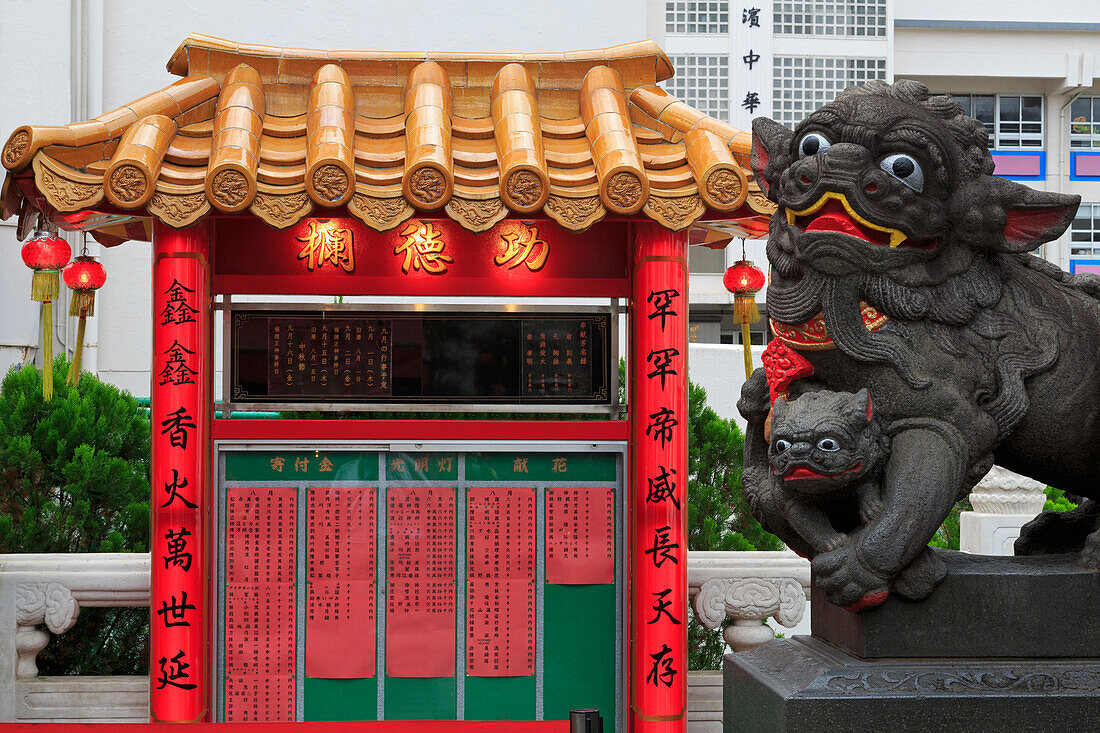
(1004, 644)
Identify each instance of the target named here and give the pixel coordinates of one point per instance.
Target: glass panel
(1080, 113)
(964, 102)
(1010, 108)
(1032, 109)
(983, 109)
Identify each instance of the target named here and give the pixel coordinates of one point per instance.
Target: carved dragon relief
(281, 210)
(677, 212)
(128, 183)
(575, 214)
(477, 215)
(178, 210)
(64, 193)
(378, 213)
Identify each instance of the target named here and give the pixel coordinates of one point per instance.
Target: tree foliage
(74, 477)
(718, 513)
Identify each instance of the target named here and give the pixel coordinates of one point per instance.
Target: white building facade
(1028, 70)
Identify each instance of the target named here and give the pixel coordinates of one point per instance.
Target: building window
(1084, 125)
(1085, 232)
(702, 82)
(697, 17)
(802, 84)
(850, 18)
(1012, 120)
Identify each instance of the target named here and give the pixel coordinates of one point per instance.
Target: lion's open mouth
(833, 213)
(803, 472)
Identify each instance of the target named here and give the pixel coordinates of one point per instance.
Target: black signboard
(420, 357)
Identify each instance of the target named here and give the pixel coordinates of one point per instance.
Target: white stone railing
(50, 590)
(748, 587)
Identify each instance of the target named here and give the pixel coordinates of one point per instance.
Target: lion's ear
(1032, 217)
(861, 405)
(771, 152)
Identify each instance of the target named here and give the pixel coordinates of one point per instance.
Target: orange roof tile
(281, 132)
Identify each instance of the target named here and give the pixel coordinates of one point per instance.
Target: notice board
(360, 585)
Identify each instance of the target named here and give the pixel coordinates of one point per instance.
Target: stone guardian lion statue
(901, 265)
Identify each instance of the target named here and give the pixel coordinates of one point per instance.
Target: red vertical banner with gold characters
(182, 410)
(658, 381)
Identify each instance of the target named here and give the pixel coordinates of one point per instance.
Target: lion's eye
(782, 445)
(905, 169)
(828, 444)
(812, 143)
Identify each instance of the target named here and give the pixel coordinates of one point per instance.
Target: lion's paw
(847, 582)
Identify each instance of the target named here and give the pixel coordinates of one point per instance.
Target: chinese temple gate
(409, 569)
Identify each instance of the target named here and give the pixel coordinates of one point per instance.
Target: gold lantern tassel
(83, 305)
(47, 350)
(746, 312)
(45, 286)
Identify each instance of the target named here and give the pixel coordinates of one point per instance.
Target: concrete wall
(68, 61)
(720, 370)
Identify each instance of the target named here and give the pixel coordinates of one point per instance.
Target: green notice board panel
(295, 465)
(564, 467)
(577, 664)
(341, 699)
(428, 698)
(579, 637)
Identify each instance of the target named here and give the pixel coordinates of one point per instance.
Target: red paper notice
(259, 628)
(261, 535)
(500, 533)
(580, 540)
(340, 602)
(340, 629)
(500, 628)
(260, 604)
(420, 582)
(259, 698)
(340, 533)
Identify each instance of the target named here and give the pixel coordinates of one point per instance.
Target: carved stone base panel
(804, 684)
(1037, 606)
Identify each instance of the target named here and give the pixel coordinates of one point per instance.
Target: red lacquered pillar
(657, 681)
(181, 414)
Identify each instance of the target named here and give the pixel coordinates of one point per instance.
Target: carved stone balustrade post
(50, 589)
(1003, 502)
(748, 587)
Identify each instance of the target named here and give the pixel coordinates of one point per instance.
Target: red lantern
(46, 254)
(744, 280)
(84, 276)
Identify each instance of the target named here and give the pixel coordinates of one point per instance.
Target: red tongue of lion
(833, 218)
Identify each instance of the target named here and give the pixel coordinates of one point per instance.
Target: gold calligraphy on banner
(423, 247)
(526, 249)
(326, 242)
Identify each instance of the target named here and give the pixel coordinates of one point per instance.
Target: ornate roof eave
(555, 134)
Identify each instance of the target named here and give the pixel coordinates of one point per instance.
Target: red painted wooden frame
(421, 430)
(381, 726)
